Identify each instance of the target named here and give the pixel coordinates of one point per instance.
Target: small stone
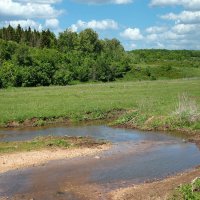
(97, 157)
(59, 193)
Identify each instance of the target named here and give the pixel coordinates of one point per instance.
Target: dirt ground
(158, 190)
(34, 158)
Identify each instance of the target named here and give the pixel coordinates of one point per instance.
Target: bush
(1, 85)
(7, 75)
(62, 77)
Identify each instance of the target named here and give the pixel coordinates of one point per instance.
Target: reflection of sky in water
(99, 132)
(155, 163)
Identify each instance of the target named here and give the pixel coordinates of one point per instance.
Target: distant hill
(152, 64)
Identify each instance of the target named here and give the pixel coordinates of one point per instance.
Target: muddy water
(135, 157)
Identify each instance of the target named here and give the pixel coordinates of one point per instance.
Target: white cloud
(152, 37)
(52, 23)
(132, 34)
(184, 17)
(121, 1)
(104, 1)
(185, 28)
(28, 9)
(179, 36)
(156, 29)
(94, 24)
(188, 4)
(24, 24)
(165, 36)
(185, 32)
(159, 45)
(39, 1)
(133, 46)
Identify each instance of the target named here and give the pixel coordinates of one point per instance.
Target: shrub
(62, 77)
(7, 75)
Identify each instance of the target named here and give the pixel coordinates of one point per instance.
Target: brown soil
(158, 190)
(195, 139)
(34, 158)
(35, 122)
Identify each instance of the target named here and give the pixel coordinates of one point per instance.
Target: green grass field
(154, 98)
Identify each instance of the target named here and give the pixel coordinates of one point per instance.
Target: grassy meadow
(143, 100)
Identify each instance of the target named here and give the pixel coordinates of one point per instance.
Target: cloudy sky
(171, 24)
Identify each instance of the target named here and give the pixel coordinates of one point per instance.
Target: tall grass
(187, 109)
(184, 115)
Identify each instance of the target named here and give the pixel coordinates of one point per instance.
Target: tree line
(32, 58)
(30, 37)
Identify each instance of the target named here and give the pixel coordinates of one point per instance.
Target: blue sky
(170, 24)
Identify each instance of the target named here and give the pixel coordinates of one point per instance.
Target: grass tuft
(187, 109)
(189, 191)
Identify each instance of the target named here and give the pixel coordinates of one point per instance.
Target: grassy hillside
(163, 64)
(93, 101)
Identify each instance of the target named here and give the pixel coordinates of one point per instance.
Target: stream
(135, 157)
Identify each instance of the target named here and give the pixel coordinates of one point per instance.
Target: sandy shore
(158, 190)
(33, 158)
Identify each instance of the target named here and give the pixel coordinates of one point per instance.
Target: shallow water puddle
(135, 157)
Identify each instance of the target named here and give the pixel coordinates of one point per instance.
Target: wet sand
(157, 190)
(33, 158)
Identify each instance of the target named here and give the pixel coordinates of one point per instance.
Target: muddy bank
(34, 158)
(88, 117)
(188, 135)
(110, 118)
(157, 190)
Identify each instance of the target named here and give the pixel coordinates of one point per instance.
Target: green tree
(48, 39)
(89, 42)
(7, 49)
(7, 74)
(18, 34)
(22, 56)
(10, 33)
(68, 41)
